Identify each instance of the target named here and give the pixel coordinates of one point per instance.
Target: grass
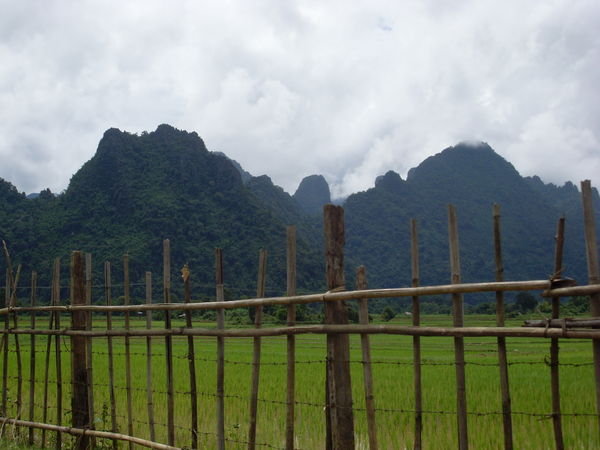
(392, 372)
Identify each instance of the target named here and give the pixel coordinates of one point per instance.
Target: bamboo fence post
(416, 321)
(260, 293)
(129, 393)
(111, 366)
(5, 348)
(32, 358)
(51, 319)
(291, 339)
(339, 381)
(149, 400)
(458, 320)
(185, 272)
(554, 349)
(220, 296)
(168, 342)
(363, 317)
(89, 349)
(57, 352)
(502, 358)
(593, 275)
(80, 413)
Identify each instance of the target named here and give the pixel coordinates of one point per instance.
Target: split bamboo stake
(593, 275)
(220, 297)
(48, 347)
(5, 347)
(128, 391)
(363, 317)
(291, 340)
(57, 352)
(32, 358)
(168, 343)
(149, 400)
(89, 348)
(185, 272)
(554, 350)
(458, 321)
(502, 359)
(260, 292)
(416, 321)
(111, 367)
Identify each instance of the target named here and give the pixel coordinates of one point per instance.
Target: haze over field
(348, 90)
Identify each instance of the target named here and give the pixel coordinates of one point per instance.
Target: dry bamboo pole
(57, 352)
(220, 297)
(111, 366)
(554, 349)
(12, 282)
(549, 288)
(168, 343)
(593, 275)
(5, 347)
(502, 358)
(32, 358)
(363, 317)
(260, 292)
(79, 320)
(458, 321)
(416, 321)
(516, 332)
(339, 383)
(187, 294)
(86, 432)
(291, 340)
(128, 391)
(55, 274)
(89, 348)
(149, 400)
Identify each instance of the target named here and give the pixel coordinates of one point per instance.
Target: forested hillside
(138, 190)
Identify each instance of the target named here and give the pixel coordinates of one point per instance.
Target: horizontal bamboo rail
(591, 322)
(464, 288)
(327, 329)
(88, 432)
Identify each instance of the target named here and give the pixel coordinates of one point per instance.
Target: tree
(387, 314)
(525, 302)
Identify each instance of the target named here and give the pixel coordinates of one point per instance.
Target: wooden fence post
(340, 432)
(79, 370)
(593, 275)
(416, 321)
(291, 339)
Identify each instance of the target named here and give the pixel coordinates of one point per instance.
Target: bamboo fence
(339, 418)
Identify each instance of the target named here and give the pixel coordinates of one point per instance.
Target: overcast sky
(292, 88)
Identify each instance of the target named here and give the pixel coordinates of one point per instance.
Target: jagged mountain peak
(312, 193)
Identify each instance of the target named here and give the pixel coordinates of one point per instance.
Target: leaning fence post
(340, 434)
(363, 317)
(593, 275)
(79, 371)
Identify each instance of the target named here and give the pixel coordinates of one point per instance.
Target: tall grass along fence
(79, 375)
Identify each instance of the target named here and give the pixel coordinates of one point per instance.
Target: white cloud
(347, 89)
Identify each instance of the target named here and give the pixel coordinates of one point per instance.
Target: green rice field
(393, 378)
